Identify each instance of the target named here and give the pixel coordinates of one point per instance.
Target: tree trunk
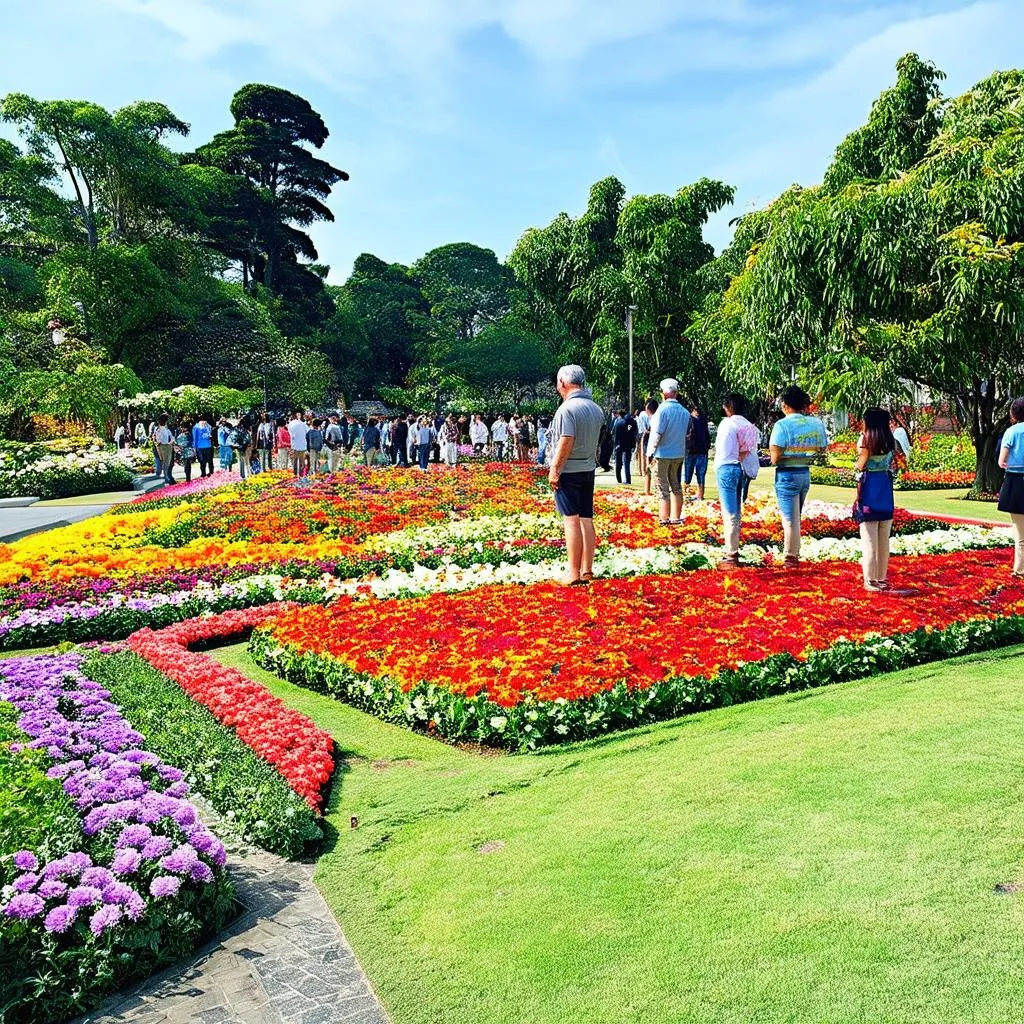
(988, 477)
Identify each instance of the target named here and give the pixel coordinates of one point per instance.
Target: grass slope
(825, 856)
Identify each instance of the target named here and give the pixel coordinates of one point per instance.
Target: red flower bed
(286, 739)
(569, 644)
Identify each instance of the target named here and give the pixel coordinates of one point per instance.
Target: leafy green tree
(314, 380)
(913, 279)
(902, 124)
(388, 303)
(646, 252)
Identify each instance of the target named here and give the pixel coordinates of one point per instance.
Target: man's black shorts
(575, 494)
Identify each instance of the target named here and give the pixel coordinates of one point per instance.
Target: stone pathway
(284, 961)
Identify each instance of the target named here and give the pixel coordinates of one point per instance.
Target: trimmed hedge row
(239, 784)
(532, 723)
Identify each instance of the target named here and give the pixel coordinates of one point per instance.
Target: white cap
(669, 386)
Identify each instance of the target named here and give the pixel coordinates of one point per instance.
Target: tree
(912, 279)
(267, 147)
(388, 303)
(314, 380)
(466, 287)
(646, 252)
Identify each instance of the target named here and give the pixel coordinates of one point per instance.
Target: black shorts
(1011, 494)
(575, 494)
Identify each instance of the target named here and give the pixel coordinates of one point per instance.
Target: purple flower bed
(148, 871)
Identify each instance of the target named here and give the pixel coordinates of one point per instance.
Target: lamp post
(630, 310)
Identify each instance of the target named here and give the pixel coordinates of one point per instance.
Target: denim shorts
(696, 464)
(575, 495)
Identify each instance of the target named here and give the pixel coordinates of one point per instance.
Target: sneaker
(729, 562)
(791, 562)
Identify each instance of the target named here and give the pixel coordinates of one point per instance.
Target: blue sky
(470, 120)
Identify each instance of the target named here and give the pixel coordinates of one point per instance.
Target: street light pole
(630, 310)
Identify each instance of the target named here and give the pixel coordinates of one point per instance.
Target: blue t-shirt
(800, 437)
(1014, 440)
(202, 436)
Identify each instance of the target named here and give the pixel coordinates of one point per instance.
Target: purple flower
(60, 919)
(52, 890)
(134, 835)
(24, 905)
(201, 872)
(106, 917)
(70, 866)
(26, 882)
(126, 861)
(98, 877)
(164, 885)
(26, 860)
(156, 847)
(180, 860)
(85, 896)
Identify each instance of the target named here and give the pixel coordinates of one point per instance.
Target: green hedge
(533, 723)
(240, 785)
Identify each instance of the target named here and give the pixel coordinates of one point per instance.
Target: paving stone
(283, 961)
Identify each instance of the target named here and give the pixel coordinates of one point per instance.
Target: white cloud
(791, 134)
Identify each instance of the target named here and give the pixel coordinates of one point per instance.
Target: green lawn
(826, 856)
(941, 502)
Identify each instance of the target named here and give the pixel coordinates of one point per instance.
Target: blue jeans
(158, 469)
(791, 487)
(730, 493)
(623, 458)
(424, 455)
(695, 464)
(225, 456)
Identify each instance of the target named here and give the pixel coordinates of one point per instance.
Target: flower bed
(245, 789)
(285, 739)
(46, 470)
(139, 883)
(573, 663)
(906, 481)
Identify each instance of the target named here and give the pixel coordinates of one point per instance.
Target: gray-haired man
(575, 431)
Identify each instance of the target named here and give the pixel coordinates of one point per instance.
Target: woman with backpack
(240, 442)
(874, 506)
(735, 464)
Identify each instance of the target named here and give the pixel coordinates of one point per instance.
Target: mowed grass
(830, 856)
(933, 502)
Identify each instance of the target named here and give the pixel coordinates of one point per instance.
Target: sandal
(586, 577)
(664, 522)
(577, 583)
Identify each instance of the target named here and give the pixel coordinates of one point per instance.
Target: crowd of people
(671, 441)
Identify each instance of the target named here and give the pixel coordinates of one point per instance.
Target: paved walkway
(16, 523)
(284, 961)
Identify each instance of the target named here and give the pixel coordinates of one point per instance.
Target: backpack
(239, 438)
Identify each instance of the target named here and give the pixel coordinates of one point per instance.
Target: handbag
(874, 502)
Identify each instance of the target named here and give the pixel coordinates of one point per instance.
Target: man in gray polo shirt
(574, 435)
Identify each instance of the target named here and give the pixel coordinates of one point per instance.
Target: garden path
(284, 961)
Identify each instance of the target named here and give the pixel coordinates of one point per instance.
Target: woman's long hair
(878, 437)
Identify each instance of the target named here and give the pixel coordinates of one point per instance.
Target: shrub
(240, 785)
(53, 470)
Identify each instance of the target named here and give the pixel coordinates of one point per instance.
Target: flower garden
(428, 600)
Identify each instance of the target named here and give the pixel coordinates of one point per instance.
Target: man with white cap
(667, 445)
